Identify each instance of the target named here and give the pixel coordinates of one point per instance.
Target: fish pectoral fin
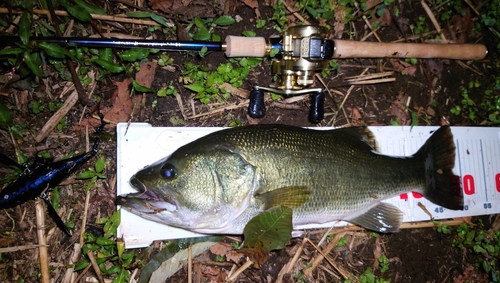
(291, 196)
(384, 218)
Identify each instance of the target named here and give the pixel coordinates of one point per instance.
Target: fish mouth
(146, 200)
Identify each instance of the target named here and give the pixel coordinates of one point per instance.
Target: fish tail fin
(442, 187)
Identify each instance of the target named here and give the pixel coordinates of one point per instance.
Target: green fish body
(217, 183)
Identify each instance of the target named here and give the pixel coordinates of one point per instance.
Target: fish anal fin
(290, 196)
(383, 218)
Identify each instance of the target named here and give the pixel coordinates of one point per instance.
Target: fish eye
(168, 171)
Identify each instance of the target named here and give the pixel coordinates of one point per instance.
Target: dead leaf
(214, 273)
(168, 6)
(254, 4)
(225, 249)
(435, 67)
(402, 66)
(122, 104)
(338, 26)
(398, 109)
(146, 74)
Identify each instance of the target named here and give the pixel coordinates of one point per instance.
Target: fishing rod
(301, 52)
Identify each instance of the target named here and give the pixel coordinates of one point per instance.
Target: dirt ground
(430, 89)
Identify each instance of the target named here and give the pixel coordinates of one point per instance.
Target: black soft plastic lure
(36, 181)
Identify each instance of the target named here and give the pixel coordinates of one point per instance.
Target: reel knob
(317, 111)
(256, 106)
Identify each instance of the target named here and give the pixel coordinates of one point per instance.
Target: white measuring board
(477, 162)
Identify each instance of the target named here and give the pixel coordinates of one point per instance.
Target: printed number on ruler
(469, 187)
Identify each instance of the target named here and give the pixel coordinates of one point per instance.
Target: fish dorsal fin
(291, 196)
(383, 218)
(360, 133)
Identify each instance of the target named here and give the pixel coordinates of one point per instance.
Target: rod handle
(240, 46)
(359, 49)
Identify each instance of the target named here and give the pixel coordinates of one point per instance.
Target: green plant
(420, 26)
(384, 263)
(109, 252)
(168, 90)
(93, 173)
(369, 277)
(205, 83)
(318, 9)
(279, 16)
(485, 243)
(333, 65)
(486, 107)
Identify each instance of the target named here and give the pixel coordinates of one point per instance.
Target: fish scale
(225, 178)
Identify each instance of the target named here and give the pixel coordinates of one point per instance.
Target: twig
(190, 264)
(84, 218)
(287, 268)
(82, 94)
(120, 19)
(79, 277)
(295, 14)
(19, 248)
(324, 254)
(95, 266)
(54, 120)
(74, 258)
(40, 232)
(433, 19)
(219, 110)
(368, 24)
(240, 270)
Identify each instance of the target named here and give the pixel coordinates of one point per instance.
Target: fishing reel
(304, 51)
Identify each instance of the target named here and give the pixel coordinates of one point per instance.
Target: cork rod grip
(239, 46)
(358, 49)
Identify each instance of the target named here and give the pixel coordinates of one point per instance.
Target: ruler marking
(459, 162)
(484, 170)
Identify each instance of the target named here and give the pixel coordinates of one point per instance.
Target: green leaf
(104, 241)
(112, 224)
(53, 50)
(106, 54)
(224, 21)
(274, 52)
(122, 276)
(77, 12)
(11, 51)
(55, 198)
(196, 87)
(86, 175)
(271, 229)
(91, 8)
(141, 88)
(113, 68)
(25, 27)
(5, 117)
(99, 165)
(201, 34)
(199, 23)
(249, 33)
(139, 14)
(159, 19)
(81, 265)
(31, 60)
(134, 54)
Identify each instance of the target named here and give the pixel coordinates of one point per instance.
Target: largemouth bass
(217, 183)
